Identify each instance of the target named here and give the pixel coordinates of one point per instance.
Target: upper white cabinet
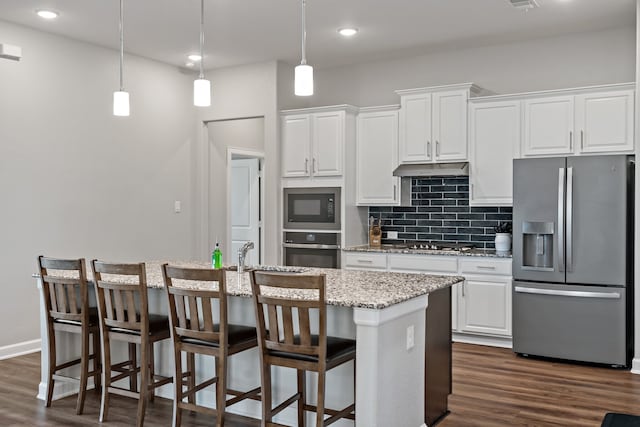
(377, 156)
(433, 123)
(548, 126)
(579, 121)
(605, 121)
(494, 135)
(314, 142)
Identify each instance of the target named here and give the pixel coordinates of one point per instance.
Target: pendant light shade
(303, 78)
(201, 86)
(120, 97)
(201, 93)
(120, 103)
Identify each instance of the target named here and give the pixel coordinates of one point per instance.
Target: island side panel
(390, 377)
(437, 356)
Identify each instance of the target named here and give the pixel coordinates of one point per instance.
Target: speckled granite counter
(395, 250)
(347, 288)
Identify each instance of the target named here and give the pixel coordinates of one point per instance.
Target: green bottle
(216, 257)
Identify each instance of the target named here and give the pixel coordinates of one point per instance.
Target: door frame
(243, 152)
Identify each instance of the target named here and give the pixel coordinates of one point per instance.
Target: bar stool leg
(152, 372)
(133, 378)
(106, 378)
(221, 386)
(191, 379)
(84, 371)
(320, 404)
(52, 366)
(144, 383)
(302, 389)
(177, 387)
(266, 395)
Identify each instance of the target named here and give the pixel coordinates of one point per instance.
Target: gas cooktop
(458, 247)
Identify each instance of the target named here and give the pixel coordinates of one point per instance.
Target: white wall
(75, 181)
(238, 92)
(582, 59)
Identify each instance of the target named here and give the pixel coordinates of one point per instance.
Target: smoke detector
(524, 4)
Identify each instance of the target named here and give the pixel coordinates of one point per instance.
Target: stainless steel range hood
(433, 169)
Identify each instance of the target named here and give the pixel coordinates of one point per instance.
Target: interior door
(245, 208)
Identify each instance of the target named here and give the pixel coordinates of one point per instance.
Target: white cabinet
(494, 134)
(605, 121)
(548, 126)
(433, 123)
(377, 156)
(484, 299)
(579, 121)
(313, 142)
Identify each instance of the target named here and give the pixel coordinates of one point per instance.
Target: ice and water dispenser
(537, 242)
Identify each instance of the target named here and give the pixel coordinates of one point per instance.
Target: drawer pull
(365, 261)
(486, 267)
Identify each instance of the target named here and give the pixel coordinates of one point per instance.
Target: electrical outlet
(410, 337)
(177, 206)
(392, 234)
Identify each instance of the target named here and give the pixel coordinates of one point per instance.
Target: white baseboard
(635, 366)
(61, 389)
(19, 349)
(483, 340)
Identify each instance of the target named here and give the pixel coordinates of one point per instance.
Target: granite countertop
(392, 249)
(347, 288)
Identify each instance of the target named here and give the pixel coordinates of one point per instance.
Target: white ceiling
(247, 31)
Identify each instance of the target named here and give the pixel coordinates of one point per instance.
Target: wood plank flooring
(491, 387)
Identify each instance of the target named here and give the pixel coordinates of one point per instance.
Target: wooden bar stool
(303, 351)
(196, 328)
(124, 316)
(67, 308)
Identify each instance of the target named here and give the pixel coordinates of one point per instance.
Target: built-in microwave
(315, 208)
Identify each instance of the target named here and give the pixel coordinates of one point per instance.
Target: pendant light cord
(304, 34)
(201, 39)
(121, 44)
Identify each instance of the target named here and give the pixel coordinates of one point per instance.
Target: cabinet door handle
(437, 148)
(365, 261)
(306, 165)
(463, 288)
(429, 149)
(582, 139)
(570, 140)
(394, 192)
(485, 267)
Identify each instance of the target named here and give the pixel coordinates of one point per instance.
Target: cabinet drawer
(501, 267)
(424, 263)
(366, 261)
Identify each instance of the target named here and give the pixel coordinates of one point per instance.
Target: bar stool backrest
(192, 311)
(307, 293)
(65, 298)
(122, 295)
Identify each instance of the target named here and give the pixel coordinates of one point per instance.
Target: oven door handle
(309, 246)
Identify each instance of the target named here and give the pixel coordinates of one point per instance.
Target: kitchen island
(397, 319)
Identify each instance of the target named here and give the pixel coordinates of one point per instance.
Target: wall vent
(524, 4)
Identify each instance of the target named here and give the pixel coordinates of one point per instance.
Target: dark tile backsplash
(440, 213)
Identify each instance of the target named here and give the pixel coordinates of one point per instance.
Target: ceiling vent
(524, 4)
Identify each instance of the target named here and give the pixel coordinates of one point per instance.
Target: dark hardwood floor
(492, 387)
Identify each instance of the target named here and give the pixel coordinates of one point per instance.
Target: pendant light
(120, 97)
(201, 86)
(303, 81)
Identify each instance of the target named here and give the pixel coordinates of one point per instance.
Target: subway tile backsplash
(440, 213)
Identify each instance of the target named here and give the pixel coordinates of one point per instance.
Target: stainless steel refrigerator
(573, 258)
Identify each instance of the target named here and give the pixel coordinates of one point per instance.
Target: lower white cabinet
(481, 305)
(484, 305)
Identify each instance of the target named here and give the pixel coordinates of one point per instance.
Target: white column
(390, 377)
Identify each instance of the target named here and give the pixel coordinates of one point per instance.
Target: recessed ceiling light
(194, 57)
(348, 32)
(189, 64)
(47, 14)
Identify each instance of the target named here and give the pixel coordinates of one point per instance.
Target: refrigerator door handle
(569, 219)
(561, 219)
(579, 294)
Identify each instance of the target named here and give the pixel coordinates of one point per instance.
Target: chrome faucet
(242, 254)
